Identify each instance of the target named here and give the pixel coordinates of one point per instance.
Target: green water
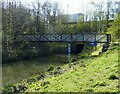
(16, 71)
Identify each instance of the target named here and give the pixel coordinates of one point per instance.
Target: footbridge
(65, 38)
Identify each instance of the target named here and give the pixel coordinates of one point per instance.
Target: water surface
(16, 71)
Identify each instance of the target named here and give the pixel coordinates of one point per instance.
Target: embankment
(97, 73)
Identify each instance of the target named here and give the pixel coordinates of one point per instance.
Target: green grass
(90, 74)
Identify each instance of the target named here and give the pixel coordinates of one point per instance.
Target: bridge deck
(83, 38)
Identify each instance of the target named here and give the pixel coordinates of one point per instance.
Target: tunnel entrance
(78, 48)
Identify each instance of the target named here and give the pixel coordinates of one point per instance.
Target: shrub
(112, 77)
(51, 68)
(82, 55)
(43, 83)
(82, 65)
(73, 59)
(30, 80)
(99, 84)
(89, 90)
(66, 62)
(46, 73)
(37, 77)
(70, 65)
(59, 67)
(33, 78)
(8, 88)
(91, 80)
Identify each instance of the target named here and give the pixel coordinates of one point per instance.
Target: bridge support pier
(70, 48)
(75, 48)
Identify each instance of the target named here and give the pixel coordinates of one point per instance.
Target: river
(16, 71)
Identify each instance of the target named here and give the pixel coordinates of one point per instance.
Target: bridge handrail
(82, 37)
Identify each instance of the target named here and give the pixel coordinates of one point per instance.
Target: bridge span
(65, 38)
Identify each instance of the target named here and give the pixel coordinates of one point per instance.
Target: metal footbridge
(65, 38)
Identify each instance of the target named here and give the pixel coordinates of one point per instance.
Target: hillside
(89, 74)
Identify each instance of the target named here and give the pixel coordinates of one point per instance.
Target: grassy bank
(88, 74)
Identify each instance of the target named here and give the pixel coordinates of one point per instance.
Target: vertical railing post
(71, 38)
(108, 38)
(61, 37)
(51, 37)
(40, 37)
(95, 37)
(83, 37)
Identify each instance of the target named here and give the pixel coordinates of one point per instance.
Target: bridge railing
(84, 38)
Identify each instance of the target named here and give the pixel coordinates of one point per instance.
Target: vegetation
(114, 29)
(48, 17)
(73, 59)
(51, 68)
(98, 73)
(80, 55)
(20, 19)
(93, 74)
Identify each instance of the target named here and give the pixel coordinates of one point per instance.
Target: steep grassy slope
(90, 74)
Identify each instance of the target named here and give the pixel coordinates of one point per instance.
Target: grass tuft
(113, 77)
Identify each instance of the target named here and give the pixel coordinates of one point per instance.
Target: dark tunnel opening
(78, 48)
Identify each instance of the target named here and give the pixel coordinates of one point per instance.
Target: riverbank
(14, 72)
(97, 73)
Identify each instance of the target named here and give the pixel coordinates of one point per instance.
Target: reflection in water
(19, 70)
